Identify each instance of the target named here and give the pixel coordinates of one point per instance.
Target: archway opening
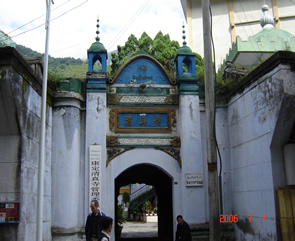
(161, 184)
(97, 65)
(138, 211)
(187, 65)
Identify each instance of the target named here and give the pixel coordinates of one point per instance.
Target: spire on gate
(183, 37)
(96, 78)
(97, 52)
(187, 78)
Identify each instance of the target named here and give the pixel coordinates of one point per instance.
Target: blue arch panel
(142, 70)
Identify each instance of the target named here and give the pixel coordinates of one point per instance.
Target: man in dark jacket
(92, 228)
(183, 232)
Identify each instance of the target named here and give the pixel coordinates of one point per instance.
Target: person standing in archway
(183, 231)
(93, 228)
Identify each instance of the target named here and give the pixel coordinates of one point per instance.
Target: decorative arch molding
(175, 153)
(115, 152)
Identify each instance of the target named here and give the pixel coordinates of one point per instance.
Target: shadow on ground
(139, 230)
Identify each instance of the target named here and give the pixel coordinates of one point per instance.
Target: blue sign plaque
(147, 120)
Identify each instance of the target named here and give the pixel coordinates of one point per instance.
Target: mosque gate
(146, 121)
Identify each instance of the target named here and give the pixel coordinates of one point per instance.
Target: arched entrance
(154, 176)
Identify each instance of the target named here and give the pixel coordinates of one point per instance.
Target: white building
(232, 18)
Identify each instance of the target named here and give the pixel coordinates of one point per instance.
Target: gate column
(95, 122)
(66, 136)
(193, 203)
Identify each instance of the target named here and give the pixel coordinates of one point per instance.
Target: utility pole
(214, 229)
(39, 225)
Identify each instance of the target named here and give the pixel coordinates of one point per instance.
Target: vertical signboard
(94, 175)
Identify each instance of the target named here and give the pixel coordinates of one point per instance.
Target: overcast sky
(73, 25)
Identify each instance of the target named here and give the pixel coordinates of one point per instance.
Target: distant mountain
(60, 68)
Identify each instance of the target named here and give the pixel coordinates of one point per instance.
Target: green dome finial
(266, 20)
(183, 37)
(97, 46)
(97, 31)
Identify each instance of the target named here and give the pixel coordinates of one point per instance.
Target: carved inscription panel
(142, 120)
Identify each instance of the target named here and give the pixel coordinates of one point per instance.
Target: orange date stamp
(224, 218)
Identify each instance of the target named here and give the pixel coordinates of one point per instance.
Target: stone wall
(20, 115)
(254, 114)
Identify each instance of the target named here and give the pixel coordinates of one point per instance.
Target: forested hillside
(59, 68)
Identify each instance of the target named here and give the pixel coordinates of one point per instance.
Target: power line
(70, 10)
(246, 16)
(37, 18)
(117, 37)
(138, 11)
(128, 24)
(51, 20)
(69, 47)
(244, 26)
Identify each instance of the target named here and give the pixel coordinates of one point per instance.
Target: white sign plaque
(94, 172)
(194, 179)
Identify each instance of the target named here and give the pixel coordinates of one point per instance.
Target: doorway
(162, 183)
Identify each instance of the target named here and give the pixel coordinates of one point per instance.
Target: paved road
(139, 230)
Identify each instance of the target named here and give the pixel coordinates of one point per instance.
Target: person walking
(183, 231)
(92, 228)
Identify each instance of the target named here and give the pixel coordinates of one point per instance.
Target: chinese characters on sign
(143, 122)
(158, 120)
(128, 120)
(147, 120)
(95, 161)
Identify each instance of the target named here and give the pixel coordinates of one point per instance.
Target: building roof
(5, 40)
(97, 47)
(262, 45)
(273, 34)
(185, 50)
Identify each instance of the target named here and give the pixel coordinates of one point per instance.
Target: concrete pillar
(191, 157)
(95, 135)
(65, 164)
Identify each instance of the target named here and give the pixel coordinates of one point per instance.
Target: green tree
(121, 215)
(123, 53)
(146, 43)
(126, 197)
(161, 48)
(165, 50)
